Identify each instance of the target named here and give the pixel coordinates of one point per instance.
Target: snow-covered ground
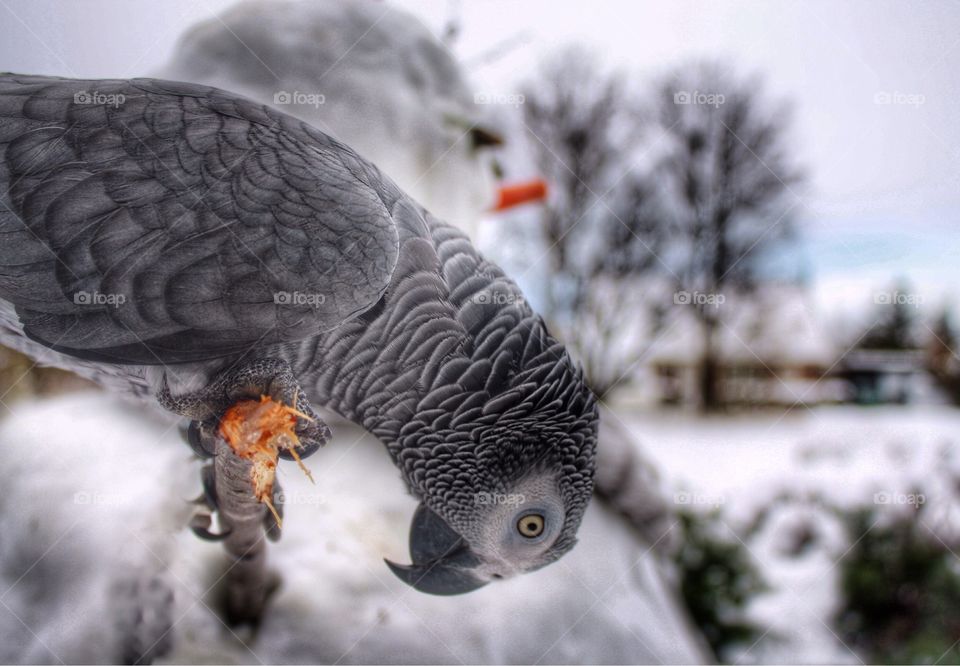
(95, 499)
(773, 476)
(94, 503)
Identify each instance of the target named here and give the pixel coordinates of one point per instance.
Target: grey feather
(420, 340)
(193, 208)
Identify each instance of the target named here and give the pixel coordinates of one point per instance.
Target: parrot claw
(199, 439)
(313, 433)
(259, 412)
(265, 377)
(201, 521)
(208, 476)
(200, 526)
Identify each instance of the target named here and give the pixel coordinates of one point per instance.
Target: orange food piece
(258, 430)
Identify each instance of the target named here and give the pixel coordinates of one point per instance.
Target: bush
(717, 579)
(900, 591)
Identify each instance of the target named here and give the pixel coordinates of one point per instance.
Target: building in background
(773, 350)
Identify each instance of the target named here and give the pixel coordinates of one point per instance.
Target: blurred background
(742, 219)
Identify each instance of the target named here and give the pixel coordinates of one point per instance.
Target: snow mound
(94, 506)
(371, 75)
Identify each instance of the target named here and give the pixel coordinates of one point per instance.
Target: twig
(247, 582)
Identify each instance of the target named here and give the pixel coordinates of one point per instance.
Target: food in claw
(258, 430)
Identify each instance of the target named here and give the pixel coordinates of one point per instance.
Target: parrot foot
(201, 521)
(245, 420)
(200, 526)
(271, 378)
(198, 438)
(208, 498)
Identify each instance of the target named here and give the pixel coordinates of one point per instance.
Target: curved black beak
(442, 560)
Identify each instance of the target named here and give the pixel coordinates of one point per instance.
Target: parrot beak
(442, 560)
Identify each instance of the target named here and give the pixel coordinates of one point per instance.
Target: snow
(96, 496)
(371, 75)
(773, 474)
(846, 452)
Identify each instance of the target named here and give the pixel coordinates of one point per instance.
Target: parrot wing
(155, 222)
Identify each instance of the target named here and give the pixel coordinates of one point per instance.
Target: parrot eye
(531, 525)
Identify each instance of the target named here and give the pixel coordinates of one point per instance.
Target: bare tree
(616, 308)
(718, 196)
(584, 130)
(726, 186)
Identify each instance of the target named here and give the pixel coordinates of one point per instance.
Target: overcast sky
(884, 194)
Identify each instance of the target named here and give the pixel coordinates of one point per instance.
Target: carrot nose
(509, 196)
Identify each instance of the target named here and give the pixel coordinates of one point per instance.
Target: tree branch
(247, 583)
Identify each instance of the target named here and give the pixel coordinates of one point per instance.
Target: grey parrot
(180, 243)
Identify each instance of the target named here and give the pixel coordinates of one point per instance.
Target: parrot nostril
(497, 576)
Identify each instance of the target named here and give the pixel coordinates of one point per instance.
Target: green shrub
(717, 579)
(900, 591)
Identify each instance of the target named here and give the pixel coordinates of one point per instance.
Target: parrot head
(504, 492)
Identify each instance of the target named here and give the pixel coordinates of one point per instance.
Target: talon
(201, 500)
(208, 497)
(201, 439)
(311, 435)
(200, 526)
(208, 476)
(194, 436)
